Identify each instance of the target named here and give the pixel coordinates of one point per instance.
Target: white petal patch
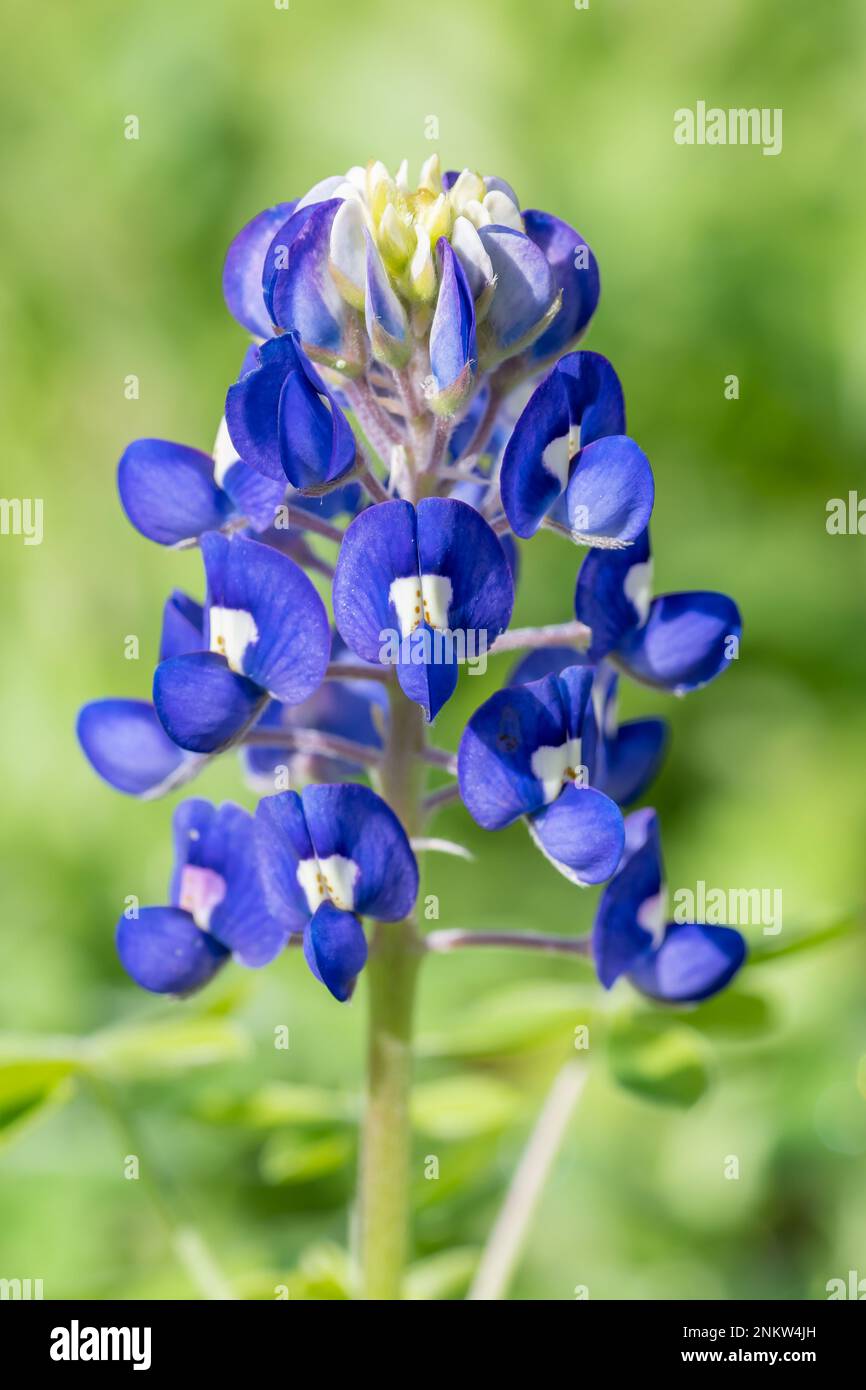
(201, 890)
(637, 587)
(470, 251)
(225, 455)
(502, 210)
(231, 632)
(329, 880)
(652, 915)
(425, 600)
(557, 457)
(347, 247)
(553, 766)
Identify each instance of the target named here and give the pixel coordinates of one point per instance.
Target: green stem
(395, 954)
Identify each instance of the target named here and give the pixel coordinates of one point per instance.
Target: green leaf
(159, 1048)
(464, 1107)
(291, 1158)
(445, 1275)
(29, 1091)
(277, 1104)
(659, 1059)
(517, 1018)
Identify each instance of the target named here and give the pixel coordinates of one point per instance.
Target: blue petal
(455, 541)
(252, 407)
(305, 298)
(352, 709)
(579, 284)
(453, 349)
(279, 251)
(494, 761)
(127, 746)
(316, 440)
(581, 833)
(164, 951)
(202, 705)
(387, 322)
(335, 949)
(253, 495)
(427, 670)
(525, 289)
(378, 547)
(692, 963)
(632, 759)
(289, 656)
(244, 264)
(602, 596)
(685, 642)
(182, 626)
(544, 661)
(610, 494)
(168, 491)
(282, 841)
(581, 393)
(618, 937)
(352, 821)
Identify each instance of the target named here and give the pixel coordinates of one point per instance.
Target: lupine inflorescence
(413, 368)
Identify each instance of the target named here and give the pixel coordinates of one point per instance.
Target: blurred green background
(715, 261)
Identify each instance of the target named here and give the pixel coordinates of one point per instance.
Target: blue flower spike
(267, 637)
(671, 962)
(329, 857)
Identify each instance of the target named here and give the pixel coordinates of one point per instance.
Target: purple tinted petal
(182, 626)
(164, 951)
(252, 407)
(316, 440)
(202, 705)
(352, 821)
(168, 491)
(610, 494)
(581, 833)
(687, 640)
(453, 349)
(629, 905)
(575, 274)
(306, 300)
(253, 495)
(244, 264)
(524, 292)
(289, 655)
(692, 963)
(127, 746)
(335, 949)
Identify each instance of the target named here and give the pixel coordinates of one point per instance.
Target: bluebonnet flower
(124, 741)
(328, 857)
(629, 755)
(674, 963)
(530, 750)
(267, 636)
(216, 906)
(677, 642)
(570, 461)
(427, 576)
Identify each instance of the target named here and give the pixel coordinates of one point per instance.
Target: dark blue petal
(427, 669)
(692, 963)
(252, 407)
(127, 746)
(244, 264)
(685, 642)
(306, 300)
(607, 583)
(544, 661)
(253, 495)
(378, 547)
(335, 949)
(279, 251)
(164, 951)
(581, 833)
(627, 913)
(182, 626)
(494, 761)
(282, 842)
(290, 653)
(352, 821)
(168, 491)
(453, 349)
(316, 440)
(610, 494)
(456, 542)
(632, 759)
(578, 282)
(203, 705)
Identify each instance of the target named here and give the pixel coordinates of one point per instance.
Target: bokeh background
(715, 261)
